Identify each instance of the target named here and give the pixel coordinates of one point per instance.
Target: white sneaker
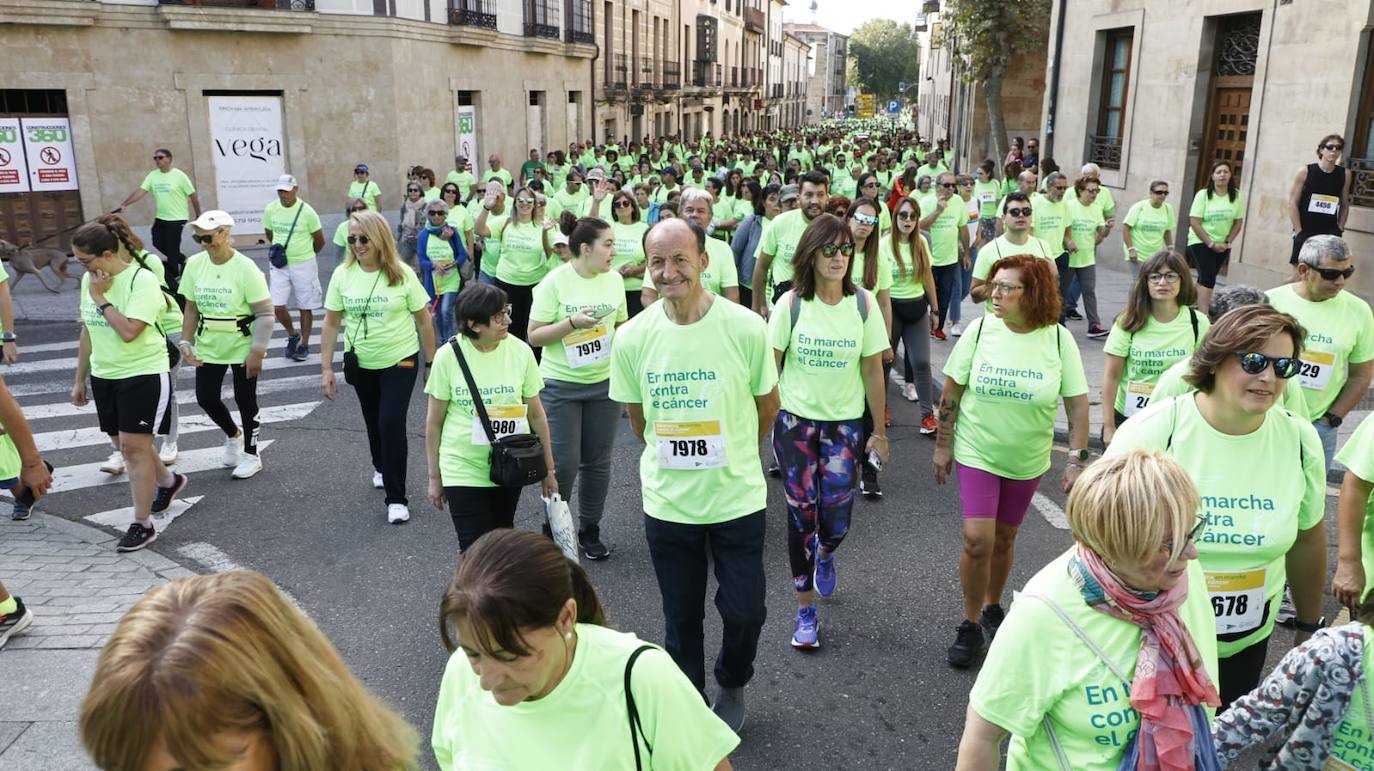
(397, 512)
(377, 480)
(249, 465)
(909, 392)
(114, 464)
(957, 329)
(896, 376)
(233, 448)
(168, 453)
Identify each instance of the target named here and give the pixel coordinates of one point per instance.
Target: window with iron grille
(707, 29)
(1105, 148)
(578, 17)
(541, 19)
(1360, 153)
(472, 13)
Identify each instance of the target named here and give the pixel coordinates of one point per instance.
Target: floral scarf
(1169, 673)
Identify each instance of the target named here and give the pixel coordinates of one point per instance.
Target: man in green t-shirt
(528, 168)
(293, 224)
(1338, 355)
(496, 172)
(176, 201)
(700, 385)
(1016, 239)
(463, 178)
(779, 240)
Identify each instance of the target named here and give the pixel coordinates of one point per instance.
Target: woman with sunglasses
(227, 327)
(869, 269)
(869, 186)
(1087, 229)
(1262, 479)
(1214, 223)
(489, 246)
(525, 250)
(1149, 227)
(426, 177)
(913, 298)
(441, 246)
(387, 328)
(410, 221)
(829, 344)
(628, 228)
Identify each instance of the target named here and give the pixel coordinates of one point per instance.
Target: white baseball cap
(286, 182)
(560, 238)
(213, 220)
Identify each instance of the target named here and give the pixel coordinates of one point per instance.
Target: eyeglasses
(357, 240)
(1018, 211)
(158, 157)
(85, 261)
(906, 216)
(203, 239)
(1006, 288)
(830, 250)
(1254, 363)
(864, 219)
(1331, 274)
(1159, 192)
(1092, 190)
(503, 315)
(1163, 278)
(525, 201)
(949, 185)
(437, 213)
(1192, 536)
(624, 204)
(1333, 146)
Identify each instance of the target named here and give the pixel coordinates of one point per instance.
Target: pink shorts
(986, 496)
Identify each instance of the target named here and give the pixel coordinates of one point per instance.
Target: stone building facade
(825, 93)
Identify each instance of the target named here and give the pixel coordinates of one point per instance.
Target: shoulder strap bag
(517, 460)
(276, 253)
(636, 730)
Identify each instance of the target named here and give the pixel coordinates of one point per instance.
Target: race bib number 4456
(689, 445)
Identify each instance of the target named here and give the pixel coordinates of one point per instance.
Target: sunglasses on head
(1331, 274)
(1254, 363)
(1019, 211)
(357, 240)
(830, 250)
(203, 239)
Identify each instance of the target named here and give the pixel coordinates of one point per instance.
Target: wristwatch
(1079, 455)
(9, 337)
(1333, 420)
(1312, 628)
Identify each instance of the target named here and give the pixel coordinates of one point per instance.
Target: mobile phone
(26, 496)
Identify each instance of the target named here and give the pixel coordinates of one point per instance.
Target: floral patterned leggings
(820, 462)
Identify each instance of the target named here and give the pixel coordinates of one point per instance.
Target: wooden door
(42, 217)
(1228, 126)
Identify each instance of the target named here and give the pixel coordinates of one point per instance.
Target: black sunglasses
(1331, 274)
(357, 240)
(1159, 192)
(624, 204)
(203, 239)
(1016, 211)
(158, 157)
(829, 250)
(1254, 363)
(437, 213)
(1333, 147)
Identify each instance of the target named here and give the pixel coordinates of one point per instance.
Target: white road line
(1050, 511)
(216, 561)
(185, 397)
(120, 519)
(190, 424)
(68, 363)
(71, 345)
(67, 478)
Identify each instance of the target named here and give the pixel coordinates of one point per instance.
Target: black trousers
(209, 379)
(477, 511)
(520, 297)
(633, 302)
(384, 396)
(1239, 673)
(680, 554)
(167, 240)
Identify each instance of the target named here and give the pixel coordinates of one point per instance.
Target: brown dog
(32, 259)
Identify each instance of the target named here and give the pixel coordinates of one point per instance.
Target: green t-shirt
(1340, 332)
(582, 723)
(1001, 246)
(523, 261)
(379, 319)
(906, 283)
(341, 236)
(169, 322)
(926, 170)
(1352, 746)
(432, 194)
(1150, 351)
(883, 276)
(507, 376)
(1148, 225)
(10, 462)
(780, 239)
(278, 218)
(1012, 385)
(1171, 383)
(1083, 223)
(464, 180)
(584, 356)
(491, 245)
(944, 232)
(136, 294)
(368, 191)
(720, 273)
(501, 174)
(1217, 214)
(528, 168)
(1256, 498)
(1358, 458)
(172, 191)
(1048, 220)
(987, 194)
(696, 384)
(223, 294)
(822, 373)
(629, 250)
(1038, 668)
(1105, 202)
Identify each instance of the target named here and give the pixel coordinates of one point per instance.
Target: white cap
(286, 182)
(560, 238)
(213, 220)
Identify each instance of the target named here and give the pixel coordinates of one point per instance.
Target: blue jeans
(443, 315)
(485, 279)
(965, 278)
(1328, 436)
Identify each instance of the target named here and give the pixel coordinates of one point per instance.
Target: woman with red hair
(1003, 382)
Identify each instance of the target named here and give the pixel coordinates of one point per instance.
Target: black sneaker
(165, 495)
(12, 624)
(21, 512)
(968, 645)
(1073, 315)
(991, 620)
(868, 482)
(592, 547)
(774, 470)
(137, 537)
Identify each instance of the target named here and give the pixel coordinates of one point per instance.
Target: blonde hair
(378, 232)
(228, 652)
(1125, 507)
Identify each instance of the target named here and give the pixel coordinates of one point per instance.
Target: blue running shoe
(825, 574)
(804, 632)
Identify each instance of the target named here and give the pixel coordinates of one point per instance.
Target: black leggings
(477, 511)
(167, 239)
(209, 379)
(1208, 263)
(384, 396)
(1241, 672)
(520, 297)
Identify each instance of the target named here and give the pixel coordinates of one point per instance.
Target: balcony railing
(671, 79)
(754, 21)
(617, 73)
(472, 13)
(646, 73)
(734, 77)
(279, 5)
(705, 74)
(1105, 151)
(1362, 189)
(541, 19)
(578, 21)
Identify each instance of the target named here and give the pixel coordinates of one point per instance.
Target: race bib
(1324, 204)
(588, 346)
(506, 419)
(987, 197)
(1314, 369)
(1137, 397)
(689, 445)
(1237, 600)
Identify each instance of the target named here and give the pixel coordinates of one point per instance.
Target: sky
(844, 15)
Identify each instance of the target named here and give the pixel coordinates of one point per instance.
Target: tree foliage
(883, 54)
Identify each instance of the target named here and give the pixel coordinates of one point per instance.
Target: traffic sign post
(894, 106)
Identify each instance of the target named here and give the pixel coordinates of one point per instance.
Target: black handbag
(516, 460)
(350, 359)
(276, 253)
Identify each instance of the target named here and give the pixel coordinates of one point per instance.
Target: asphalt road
(877, 695)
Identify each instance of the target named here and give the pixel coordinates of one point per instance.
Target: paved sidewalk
(78, 587)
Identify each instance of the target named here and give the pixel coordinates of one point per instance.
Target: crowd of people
(743, 303)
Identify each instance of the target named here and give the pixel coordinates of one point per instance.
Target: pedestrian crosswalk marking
(66, 439)
(24, 367)
(120, 519)
(80, 477)
(184, 397)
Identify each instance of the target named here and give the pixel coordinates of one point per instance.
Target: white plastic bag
(561, 523)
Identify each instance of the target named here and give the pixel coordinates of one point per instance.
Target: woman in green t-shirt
(228, 325)
(629, 232)
(575, 312)
(1158, 328)
(1003, 383)
(525, 250)
(870, 270)
(1088, 228)
(1214, 223)
(536, 679)
(913, 298)
(1107, 654)
(387, 327)
(128, 362)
